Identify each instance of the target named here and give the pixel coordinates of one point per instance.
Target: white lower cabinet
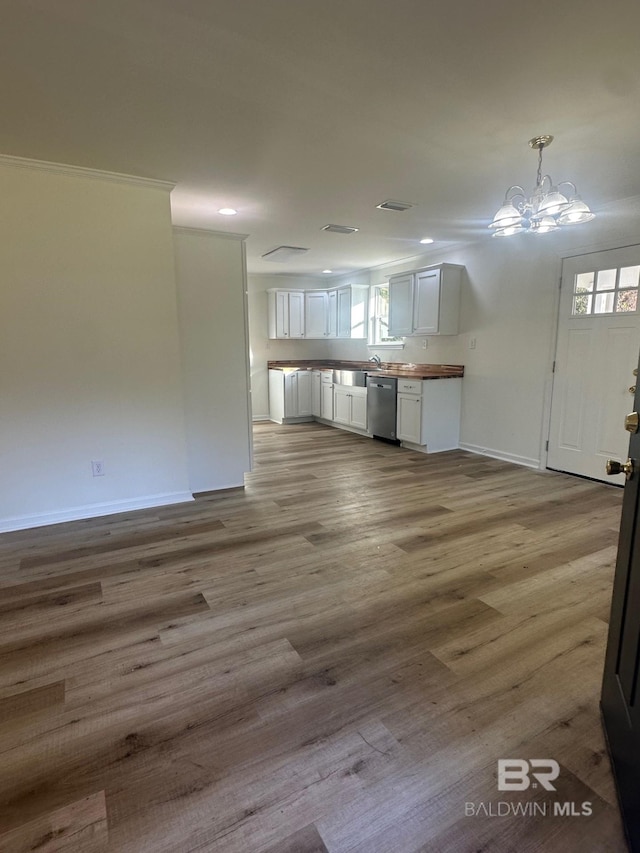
(341, 405)
(290, 395)
(326, 398)
(409, 418)
(359, 410)
(429, 413)
(316, 393)
(350, 406)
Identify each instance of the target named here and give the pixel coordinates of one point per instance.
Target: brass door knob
(635, 371)
(632, 422)
(632, 389)
(614, 467)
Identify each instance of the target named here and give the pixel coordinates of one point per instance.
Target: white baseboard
(259, 418)
(40, 519)
(527, 461)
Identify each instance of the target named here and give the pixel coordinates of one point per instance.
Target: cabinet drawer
(326, 377)
(409, 386)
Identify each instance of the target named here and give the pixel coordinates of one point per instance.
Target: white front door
(597, 351)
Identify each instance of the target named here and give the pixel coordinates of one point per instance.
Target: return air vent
(339, 229)
(283, 253)
(394, 205)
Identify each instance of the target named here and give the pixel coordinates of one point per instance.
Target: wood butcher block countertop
(387, 368)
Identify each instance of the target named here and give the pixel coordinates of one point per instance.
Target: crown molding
(83, 172)
(208, 232)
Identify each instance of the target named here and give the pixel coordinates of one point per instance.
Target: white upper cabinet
(332, 313)
(316, 320)
(296, 315)
(353, 311)
(425, 302)
(401, 305)
(342, 312)
(285, 313)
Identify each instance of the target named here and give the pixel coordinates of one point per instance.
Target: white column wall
(89, 349)
(210, 269)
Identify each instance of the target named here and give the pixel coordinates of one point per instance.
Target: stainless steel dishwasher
(382, 406)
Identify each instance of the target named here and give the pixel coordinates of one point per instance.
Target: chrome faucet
(376, 359)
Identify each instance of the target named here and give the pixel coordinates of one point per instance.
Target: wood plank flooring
(332, 660)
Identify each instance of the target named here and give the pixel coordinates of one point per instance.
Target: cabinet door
(359, 319)
(291, 395)
(332, 314)
(315, 314)
(344, 312)
(341, 406)
(401, 305)
(316, 392)
(409, 423)
(326, 402)
(441, 414)
(304, 392)
(276, 395)
(296, 315)
(359, 410)
(426, 310)
(282, 315)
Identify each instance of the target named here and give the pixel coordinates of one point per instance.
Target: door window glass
(612, 291)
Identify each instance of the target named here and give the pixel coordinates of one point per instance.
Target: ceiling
(301, 113)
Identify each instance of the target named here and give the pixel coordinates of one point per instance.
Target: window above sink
(379, 319)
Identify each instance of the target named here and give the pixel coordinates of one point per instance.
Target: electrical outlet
(425, 343)
(97, 468)
(472, 343)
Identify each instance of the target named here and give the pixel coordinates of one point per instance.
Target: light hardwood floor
(332, 660)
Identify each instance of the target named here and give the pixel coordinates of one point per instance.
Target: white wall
(89, 350)
(210, 270)
(509, 305)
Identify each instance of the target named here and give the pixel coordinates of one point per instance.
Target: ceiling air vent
(339, 229)
(394, 205)
(283, 253)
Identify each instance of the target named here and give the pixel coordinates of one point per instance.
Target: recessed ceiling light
(327, 271)
(426, 240)
(227, 211)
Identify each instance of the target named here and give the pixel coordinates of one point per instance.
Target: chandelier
(546, 210)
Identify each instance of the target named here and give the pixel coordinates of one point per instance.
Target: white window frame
(375, 322)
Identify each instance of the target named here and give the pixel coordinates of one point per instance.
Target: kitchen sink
(350, 377)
